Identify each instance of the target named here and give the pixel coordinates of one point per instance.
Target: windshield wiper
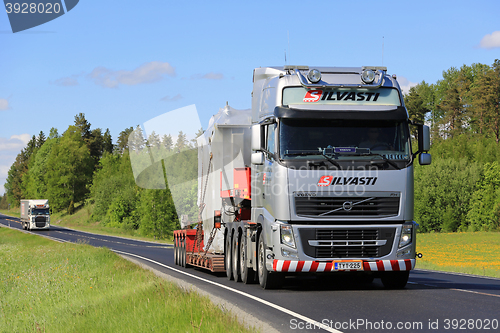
(385, 159)
(303, 152)
(331, 160)
(312, 152)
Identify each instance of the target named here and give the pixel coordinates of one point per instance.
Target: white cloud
(147, 73)
(4, 104)
(405, 84)
(213, 76)
(490, 41)
(16, 142)
(4, 170)
(66, 81)
(172, 99)
(208, 76)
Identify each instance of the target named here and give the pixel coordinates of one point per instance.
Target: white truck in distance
(316, 178)
(35, 214)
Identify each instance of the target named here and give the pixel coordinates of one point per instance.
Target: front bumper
(295, 266)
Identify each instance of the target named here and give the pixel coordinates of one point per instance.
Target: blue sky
(123, 63)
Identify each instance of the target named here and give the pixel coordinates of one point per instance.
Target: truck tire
(267, 280)
(236, 259)
(176, 256)
(183, 253)
(227, 258)
(247, 273)
(395, 280)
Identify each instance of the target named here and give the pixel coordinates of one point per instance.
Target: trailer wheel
(395, 280)
(267, 280)
(236, 259)
(227, 258)
(183, 252)
(247, 274)
(176, 256)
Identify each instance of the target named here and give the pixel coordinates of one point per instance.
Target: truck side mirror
(424, 138)
(424, 159)
(256, 138)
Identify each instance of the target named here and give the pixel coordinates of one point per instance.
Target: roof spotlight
(314, 75)
(368, 76)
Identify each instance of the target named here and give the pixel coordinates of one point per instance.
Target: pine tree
(154, 140)
(107, 142)
(122, 143)
(167, 142)
(200, 132)
(416, 106)
(181, 143)
(40, 140)
(84, 127)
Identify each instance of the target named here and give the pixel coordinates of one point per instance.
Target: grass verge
(465, 252)
(61, 287)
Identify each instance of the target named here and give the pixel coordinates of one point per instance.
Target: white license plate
(348, 265)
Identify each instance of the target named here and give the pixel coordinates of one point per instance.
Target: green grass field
(465, 252)
(47, 286)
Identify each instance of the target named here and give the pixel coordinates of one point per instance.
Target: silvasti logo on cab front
(330, 180)
(318, 94)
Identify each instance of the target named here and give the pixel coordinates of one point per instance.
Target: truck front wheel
(395, 280)
(267, 280)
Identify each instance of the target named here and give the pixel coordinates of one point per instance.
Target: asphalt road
(431, 302)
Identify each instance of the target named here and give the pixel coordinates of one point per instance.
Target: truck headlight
(287, 236)
(406, 235)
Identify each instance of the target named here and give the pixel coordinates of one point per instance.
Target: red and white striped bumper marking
(317, 266)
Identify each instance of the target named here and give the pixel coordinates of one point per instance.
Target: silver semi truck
(316, 178)
(35, 214)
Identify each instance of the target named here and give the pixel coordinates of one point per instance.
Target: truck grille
(348, 252)
(345, 239)
(346, 206)
(40, 224)
(40, 219)
(347, 234)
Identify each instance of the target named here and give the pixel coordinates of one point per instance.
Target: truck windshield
(38, 211)
(344, 139)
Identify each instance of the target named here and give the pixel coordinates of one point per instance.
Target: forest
(459, 191)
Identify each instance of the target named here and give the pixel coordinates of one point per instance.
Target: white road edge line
(474, 292)
(257, 299)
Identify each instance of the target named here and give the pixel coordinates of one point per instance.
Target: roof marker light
(314, 75)
(368, 76)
